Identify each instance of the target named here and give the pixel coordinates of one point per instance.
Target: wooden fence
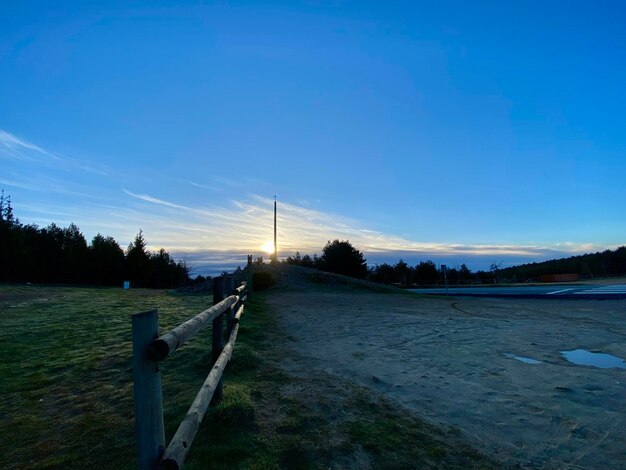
(149, 349)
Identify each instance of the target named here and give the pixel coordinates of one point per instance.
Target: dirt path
(445, 359)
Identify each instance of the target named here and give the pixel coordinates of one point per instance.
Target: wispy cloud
(154, 200)
(17, 147)
(47, 183)
(13, 142)
(246, 225)
(18, 184)
(223, 230)
(20, 149)
(202, 186)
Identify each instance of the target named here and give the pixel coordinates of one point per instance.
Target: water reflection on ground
(527, 360)
(583, 357)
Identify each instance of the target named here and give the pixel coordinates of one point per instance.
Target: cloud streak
(218, 233)
(244, 226)
(20, 149)
(15, 145)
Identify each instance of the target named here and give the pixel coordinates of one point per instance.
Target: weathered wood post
(149, 431)
(230, 313)
(229, 284)
(218, 333)
(249, 276)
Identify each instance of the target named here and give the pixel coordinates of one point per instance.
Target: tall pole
(275, 246)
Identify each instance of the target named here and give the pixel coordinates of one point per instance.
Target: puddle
(527, 360)
(582, 357)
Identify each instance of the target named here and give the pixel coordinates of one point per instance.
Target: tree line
(599, 264)
(55, 254)
(427, 273)
(341, 257)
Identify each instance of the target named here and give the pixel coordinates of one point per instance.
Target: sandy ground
(444, 359)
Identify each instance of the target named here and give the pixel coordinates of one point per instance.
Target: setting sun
(268, 247)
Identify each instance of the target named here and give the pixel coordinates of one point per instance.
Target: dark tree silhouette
(605, 263)
(138, 261)
(341, 257)
(75, 255)
(165, 272)
(307, 261)
(383, 273)
(296, 259)
(107, 260)
(426, 272)
(464, 273)
(10, 241)
(60, 255)
(402, 273)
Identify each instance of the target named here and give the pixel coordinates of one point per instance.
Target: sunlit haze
(268, 247)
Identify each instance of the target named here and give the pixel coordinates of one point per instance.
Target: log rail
(149, 349)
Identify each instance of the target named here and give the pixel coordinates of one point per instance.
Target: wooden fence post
(249, 276)
(229, 285)
(230, 314)
(218, 334)
(149, 429)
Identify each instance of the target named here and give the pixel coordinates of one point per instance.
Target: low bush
(262, 280)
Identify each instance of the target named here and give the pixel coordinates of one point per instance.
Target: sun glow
(268, 247)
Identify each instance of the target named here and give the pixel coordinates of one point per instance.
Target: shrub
(262, 280)
(341, 257)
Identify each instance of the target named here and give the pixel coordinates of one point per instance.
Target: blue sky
(474, 132)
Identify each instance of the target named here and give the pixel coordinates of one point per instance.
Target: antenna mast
(275, 246)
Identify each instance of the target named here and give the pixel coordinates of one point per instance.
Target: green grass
(65, 363)
(67, 401)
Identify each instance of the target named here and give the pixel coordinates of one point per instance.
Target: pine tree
(138, 261)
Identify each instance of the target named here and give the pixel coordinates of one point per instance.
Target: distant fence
(149, 349)
(571, 277)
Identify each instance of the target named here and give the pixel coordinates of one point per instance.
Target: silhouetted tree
(341, 257)
(306, 260)
(75, 255)
(107, 259)
(426, 272)
(10, 241)
(60, 255)
(165, 272)
(464, 273)
(199, 279)
(296, 259)
(383, 273)
(49, 253)
(402, 273)
(6, 211)
(161, 272)
(452, 274)
(138, 261)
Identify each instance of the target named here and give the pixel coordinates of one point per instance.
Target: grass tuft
(245, 359)
(236, 407)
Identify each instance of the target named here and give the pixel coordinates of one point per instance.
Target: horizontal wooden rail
(149, 349)
(238, 315)
(166, 344)
(176, 451)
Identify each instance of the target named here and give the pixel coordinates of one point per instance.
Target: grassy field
(66, 388)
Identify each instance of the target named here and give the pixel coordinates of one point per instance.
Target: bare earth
(445, 360)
